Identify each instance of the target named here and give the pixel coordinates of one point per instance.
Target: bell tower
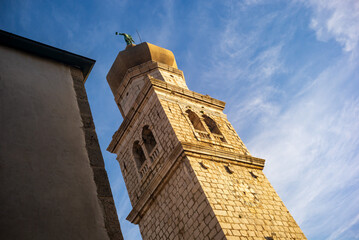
(187, 173)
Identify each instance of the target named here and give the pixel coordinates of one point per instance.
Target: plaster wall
(47, 186)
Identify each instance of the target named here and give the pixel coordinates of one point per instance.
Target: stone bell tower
(188, 174)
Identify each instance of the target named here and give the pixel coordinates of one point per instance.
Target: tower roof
(135, 55)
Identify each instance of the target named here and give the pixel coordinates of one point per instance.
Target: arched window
(148, 139)
(138, 154)
(196, 121)
(212, 126)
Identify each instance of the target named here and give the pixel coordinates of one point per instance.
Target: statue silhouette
(128, 39)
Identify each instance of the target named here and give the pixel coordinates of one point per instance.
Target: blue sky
(288, 71)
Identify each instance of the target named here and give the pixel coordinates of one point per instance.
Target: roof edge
(40, 49)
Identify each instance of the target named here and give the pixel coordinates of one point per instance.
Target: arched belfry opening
(211, 124)
(196, 121)
(148, 139)
(213, 128)
(138, 154)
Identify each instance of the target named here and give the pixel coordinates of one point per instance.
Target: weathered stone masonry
(104, 193)
(188, 174)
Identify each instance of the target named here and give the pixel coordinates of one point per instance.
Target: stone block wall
(245, 203)
(181, 210)
(152, 115)
(175, 102)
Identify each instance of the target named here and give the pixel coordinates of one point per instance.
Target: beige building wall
(53, 181)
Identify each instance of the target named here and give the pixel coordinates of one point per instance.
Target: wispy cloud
(162, 32)
(313, 138)
(344, 229)
(244, 61)
(312, 149)
(303, 121)
(336, 19)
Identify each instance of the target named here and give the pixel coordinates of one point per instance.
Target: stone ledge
(223, 156)
(181, 151)
(161, 85)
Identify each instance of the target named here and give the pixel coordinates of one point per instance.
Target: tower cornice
(218, 155)
(185, 93)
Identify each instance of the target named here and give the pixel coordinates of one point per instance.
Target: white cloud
(343, 229)
(336, 19)
(308, 138)
(165, 27)
(312, 150)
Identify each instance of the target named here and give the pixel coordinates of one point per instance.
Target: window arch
(148, 139)
(212, 126)
(196, 121)
(138, 154)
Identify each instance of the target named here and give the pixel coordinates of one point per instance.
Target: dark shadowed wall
(53, 181)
